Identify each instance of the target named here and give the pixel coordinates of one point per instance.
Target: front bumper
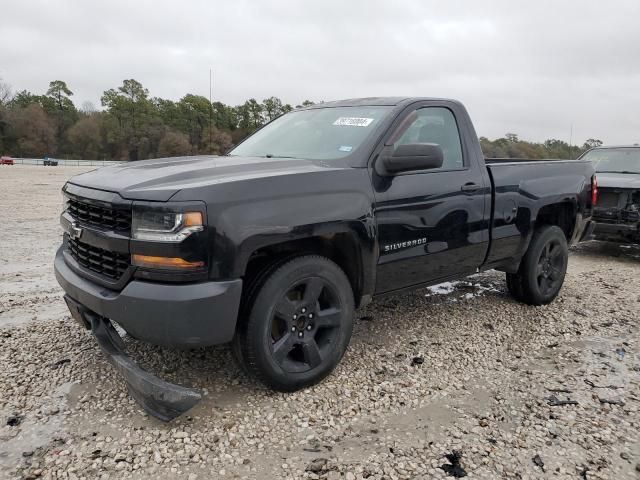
(618, 232)
(189, 315)
(161, 399)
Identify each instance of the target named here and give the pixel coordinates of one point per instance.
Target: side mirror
(411, 157)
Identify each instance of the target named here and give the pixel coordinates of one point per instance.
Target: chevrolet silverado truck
(274, 245)
(617, 214)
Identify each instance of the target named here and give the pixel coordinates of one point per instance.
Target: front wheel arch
(345, 248)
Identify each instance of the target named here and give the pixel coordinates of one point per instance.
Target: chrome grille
(98, 216)
(110, 264)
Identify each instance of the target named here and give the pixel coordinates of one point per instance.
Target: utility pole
(571, 137)
(210, 111)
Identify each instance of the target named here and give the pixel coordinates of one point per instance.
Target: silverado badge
(409, 243)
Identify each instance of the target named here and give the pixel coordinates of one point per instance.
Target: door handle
(470, 187)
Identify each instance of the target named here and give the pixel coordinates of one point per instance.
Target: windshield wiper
(618, 171)
(271, 155)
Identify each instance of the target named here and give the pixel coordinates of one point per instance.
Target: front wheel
(298, 323)
(543, 268)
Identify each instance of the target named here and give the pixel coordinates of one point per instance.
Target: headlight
(161, 226)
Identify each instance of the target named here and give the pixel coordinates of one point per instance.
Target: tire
(514, 285)
(249, 292)
(297, 323)
(543, 268)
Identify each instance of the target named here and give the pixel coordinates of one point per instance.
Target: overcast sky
(530, 67)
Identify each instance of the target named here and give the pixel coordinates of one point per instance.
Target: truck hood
(619, 180)
(160, 179)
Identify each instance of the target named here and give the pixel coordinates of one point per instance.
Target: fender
(266, 212)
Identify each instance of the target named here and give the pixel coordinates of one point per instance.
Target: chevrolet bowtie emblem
(75, 232)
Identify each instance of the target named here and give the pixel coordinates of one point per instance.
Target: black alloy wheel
(551, 267)
(298, 322)
(305, 325)
(542, 269)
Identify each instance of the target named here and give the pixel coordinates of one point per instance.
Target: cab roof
(375, 101)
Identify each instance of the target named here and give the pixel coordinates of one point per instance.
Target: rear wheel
(298, 323)
(543, 268)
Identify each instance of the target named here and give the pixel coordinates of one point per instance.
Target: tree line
(132, 125)
(510, 146)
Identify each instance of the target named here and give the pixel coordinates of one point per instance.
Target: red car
(6, 161)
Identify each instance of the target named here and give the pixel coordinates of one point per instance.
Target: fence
(63, 162)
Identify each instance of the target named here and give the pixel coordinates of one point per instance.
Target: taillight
(594, 191)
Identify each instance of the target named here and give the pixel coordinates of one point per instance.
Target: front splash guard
(160, 399)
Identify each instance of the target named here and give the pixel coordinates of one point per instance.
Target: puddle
(45, 311)
(442, 288)
(596, 370)
(30, 436)
(608, 362)
(619, 251)
(21, 441)
(473, 286)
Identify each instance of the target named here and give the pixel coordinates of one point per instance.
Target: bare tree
(88, 107)
(6, 93)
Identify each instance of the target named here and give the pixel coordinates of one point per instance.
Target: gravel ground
(444, 382)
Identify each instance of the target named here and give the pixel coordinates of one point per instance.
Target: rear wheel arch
(562, 215)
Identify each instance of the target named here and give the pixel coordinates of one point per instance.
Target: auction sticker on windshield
(353, 122)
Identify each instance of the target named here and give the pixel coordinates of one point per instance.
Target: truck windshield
(615, 160)
(315, 134)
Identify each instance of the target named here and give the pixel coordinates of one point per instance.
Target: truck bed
(523, 187)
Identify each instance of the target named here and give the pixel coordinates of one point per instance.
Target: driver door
(432, 224)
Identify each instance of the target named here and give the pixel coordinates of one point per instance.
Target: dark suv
(617, 215)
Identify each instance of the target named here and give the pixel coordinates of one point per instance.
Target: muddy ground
(458, 380)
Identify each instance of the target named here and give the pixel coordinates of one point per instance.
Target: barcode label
(353, 122)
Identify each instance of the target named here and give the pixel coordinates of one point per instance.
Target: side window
(436, 125)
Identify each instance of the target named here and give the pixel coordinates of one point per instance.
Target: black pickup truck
(274, 245)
